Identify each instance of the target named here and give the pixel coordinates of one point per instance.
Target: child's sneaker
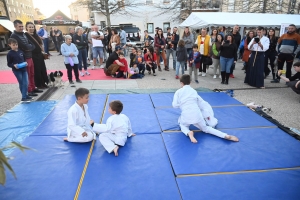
(87, 73)
(197, 81)
(81, 73)
(177, 77)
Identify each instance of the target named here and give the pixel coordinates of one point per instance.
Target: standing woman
(108, 36)
(81, 43)
(216, 55)
(70, 51)
(188, 39)
(271, 53)
(40, 71)
(160, 44)
(150, 59)
(213, 35)
(257, 46)
(114, 40)
(85, 34)
(247, 52)
(228, 56)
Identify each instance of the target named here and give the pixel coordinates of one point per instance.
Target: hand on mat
(133, 135)
(232, 138)
(84, 134)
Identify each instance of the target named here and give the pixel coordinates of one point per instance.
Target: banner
(284, 29)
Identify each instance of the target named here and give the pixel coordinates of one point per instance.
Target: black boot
(273, 74)
(223, 77)
(227, 78)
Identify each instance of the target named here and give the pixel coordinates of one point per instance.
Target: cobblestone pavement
(281, 99)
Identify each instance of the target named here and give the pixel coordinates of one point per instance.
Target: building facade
(2, 9)
(18, 9)
(79, 12)
(38, 15)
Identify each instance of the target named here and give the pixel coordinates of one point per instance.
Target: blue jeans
(173, 52)
(22, 78)
(226, 64)
(82, 58)
(178, 64)
(46, 46)
(98, 51)
(124, 49)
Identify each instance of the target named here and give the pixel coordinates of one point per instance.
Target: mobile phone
(256, 40)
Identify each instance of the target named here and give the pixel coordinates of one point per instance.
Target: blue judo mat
(56, 123)
(228, 117)
(141, 171)
(18, 123)
(139, 109)
(247, 186)
(51, 172)
(258, 149)
(161, 100)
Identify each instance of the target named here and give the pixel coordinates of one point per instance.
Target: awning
(8, 25)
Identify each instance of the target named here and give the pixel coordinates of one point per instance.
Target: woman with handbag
(114, 40)
(40, 71)
(150, 60)
(228, 56)
(216, 55)
(160, 45)
(81, 43)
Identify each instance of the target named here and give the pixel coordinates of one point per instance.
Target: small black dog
(55, 79)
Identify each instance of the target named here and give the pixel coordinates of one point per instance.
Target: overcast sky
(48, 7)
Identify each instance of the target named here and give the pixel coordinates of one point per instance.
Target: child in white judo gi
(79, 123)
(116, 130)
(193, 107)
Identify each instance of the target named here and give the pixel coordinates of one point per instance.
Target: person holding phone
(257, 46)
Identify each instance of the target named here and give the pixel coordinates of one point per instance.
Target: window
(150, 27)
(231, 5)
(165, 26)
(245, 7)
(103, 24)
(149, 2)
(279, 5)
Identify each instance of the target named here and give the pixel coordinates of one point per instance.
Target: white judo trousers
(78, 123)
(196, 111)
(114, 132)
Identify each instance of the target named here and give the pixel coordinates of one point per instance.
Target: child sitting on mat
(79, 123)
(116, 130)
(192, 106)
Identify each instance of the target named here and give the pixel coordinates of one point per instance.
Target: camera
(256, 40)
(226, 41)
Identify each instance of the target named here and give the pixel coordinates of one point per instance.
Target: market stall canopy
(6, 25)
(205, 19)
(58, 18)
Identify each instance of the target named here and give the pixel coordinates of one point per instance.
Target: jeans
(82, 58)
(191, 69)
(226, 64)
(217, 66)
(22, 78)
(135, 76)
(46, 46)
(98, 51)
(173, 52)
(178, 64)
(189, 51)
(124, 49)
(141, 68)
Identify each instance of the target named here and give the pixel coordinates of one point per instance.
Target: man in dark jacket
(25, 45)
(237, 40)
(172, 41)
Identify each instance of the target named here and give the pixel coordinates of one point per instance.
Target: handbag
(207, 60)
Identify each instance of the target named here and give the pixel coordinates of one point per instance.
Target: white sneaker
(161, 63)
(203, 74)
(81, 74)
(215, 76)
(87, 73)
(102, 66)
(199, 73)
(93, 67)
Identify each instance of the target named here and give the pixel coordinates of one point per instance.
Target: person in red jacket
(123, 69)
(150, 60)
(160, 45)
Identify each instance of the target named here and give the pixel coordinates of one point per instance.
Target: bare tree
(109, 7)
(256, 6)
(181, 9)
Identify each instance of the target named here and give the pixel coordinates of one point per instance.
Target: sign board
(284, 29)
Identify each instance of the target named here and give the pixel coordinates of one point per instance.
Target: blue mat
(22, 120)
(51, 172)
(213, 98)
(228, 117)
(259, 186)
(258, 149)
(140, 111)
(56, 123)
(141, 171)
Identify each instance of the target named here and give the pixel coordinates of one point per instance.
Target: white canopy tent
(198, 20)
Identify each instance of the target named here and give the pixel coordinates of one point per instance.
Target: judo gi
(114, 132)
(78, 123)
(194, 110)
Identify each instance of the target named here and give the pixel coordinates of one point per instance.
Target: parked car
(133, 33)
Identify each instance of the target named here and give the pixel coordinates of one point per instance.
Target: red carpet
(7, 76)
